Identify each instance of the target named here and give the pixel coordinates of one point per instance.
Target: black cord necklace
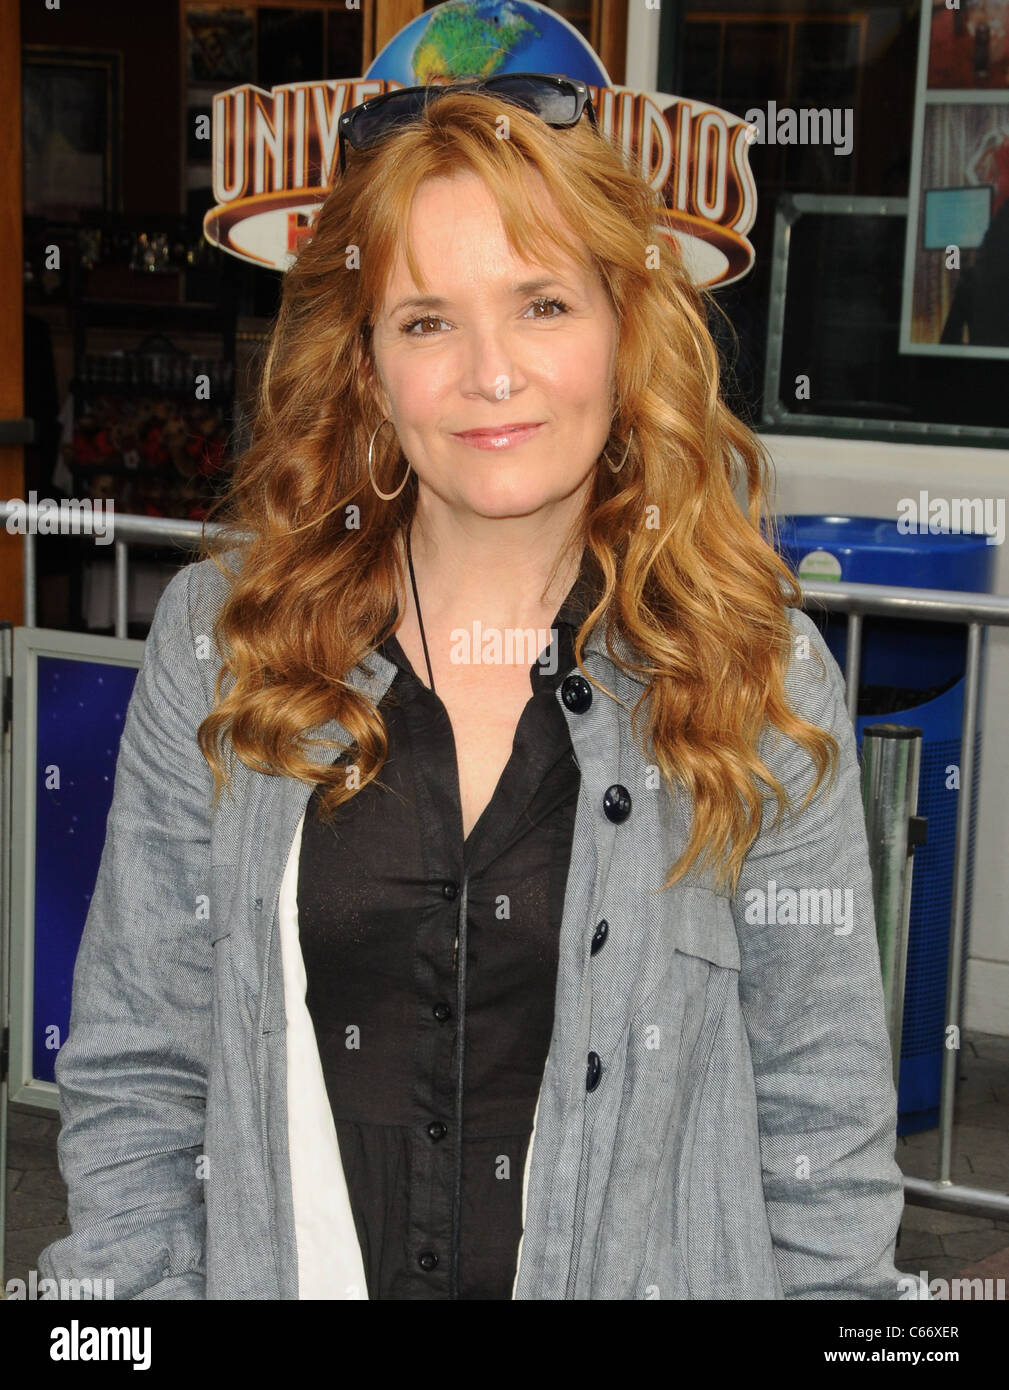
(416, 600)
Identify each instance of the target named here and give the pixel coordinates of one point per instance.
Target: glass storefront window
(849, 324)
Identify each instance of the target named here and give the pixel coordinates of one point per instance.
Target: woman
(444, 945)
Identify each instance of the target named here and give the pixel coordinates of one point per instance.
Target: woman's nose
(490, 363)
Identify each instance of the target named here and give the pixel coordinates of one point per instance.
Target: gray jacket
(738, 1143)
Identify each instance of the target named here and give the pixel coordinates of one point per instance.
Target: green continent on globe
(469, 40)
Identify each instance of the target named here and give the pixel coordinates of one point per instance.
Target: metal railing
(136, 530)
(975, 611)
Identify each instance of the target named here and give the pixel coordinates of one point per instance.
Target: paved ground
(944, 1243)
(941, 1243)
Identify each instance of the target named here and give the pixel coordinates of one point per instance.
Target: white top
(330, 1264)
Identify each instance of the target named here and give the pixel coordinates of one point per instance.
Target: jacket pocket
(704, 926)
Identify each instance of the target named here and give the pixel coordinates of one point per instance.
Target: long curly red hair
(694, 583)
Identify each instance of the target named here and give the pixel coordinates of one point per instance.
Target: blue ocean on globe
(480, 38)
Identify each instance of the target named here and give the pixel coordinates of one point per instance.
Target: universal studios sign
(275, 153)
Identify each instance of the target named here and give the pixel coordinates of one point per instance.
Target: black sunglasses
(557, 100)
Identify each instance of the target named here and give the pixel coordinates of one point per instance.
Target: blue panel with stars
(81, 711)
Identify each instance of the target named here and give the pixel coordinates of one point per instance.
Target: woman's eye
(427, 318)
(412, 326)
(557, 304)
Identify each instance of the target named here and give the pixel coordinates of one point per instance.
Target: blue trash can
(912, 672)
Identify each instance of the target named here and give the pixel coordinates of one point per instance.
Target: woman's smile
(503, 437)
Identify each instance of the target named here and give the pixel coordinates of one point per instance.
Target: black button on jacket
(394, 1000)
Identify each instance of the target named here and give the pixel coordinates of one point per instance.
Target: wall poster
(956, 263)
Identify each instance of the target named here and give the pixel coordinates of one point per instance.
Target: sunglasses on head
(557, 100)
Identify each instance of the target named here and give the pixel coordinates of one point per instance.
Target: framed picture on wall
(219, 45)
(71, 134)
(956, 258)
(958, 267)
(969, 46)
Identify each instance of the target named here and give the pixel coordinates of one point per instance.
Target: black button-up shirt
(400, 987)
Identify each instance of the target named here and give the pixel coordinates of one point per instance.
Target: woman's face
(494, 350)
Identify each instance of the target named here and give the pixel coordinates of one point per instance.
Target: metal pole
(970, 1201)
(28, 571)
(122, 589)
(947, 1096)
(891, 764)
(852, 664)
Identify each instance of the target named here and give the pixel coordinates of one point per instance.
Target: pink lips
(501, 437)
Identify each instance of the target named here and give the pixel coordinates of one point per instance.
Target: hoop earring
(624, 459)
(385, 496)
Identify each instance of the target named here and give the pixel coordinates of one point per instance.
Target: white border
(29, 644)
